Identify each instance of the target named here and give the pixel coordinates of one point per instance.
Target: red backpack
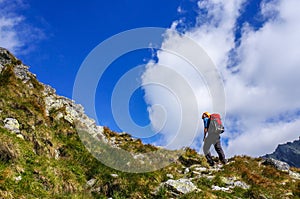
(216, 124)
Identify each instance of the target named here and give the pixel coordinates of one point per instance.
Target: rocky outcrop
(180, 186)
(281, 166)
(232, 182)
(5, 58)
(289, 153)
(56, 107)
(12, 125)
(59, 107)
(21, 71)
(197, 171)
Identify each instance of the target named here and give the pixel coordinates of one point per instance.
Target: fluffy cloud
(8, 36)
(15, 31)
(216, 39)
(261, 88)
(265, 86)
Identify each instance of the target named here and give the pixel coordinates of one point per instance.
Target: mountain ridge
(288, 152)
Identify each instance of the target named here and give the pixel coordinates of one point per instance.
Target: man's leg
(206, 147)
(209, 159)
(220, 151)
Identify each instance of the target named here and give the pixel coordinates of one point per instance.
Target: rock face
(60, 107)
(5, 58)
(64, 108)
(181, 186)
(12, 125)
(289, 153)
(281, 166)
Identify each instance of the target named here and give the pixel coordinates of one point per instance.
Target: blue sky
(251, 43)
(69, 31)
(72, 30)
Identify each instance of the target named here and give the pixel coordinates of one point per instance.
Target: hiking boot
(209, 159)
(211, 163)
(224, 161)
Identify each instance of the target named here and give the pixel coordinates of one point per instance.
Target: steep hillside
(289, 153)
(42, 154)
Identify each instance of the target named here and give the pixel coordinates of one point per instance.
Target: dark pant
(217, 144)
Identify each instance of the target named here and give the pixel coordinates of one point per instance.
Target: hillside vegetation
(42, 155)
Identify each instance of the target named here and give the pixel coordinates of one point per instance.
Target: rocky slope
(289, 153)
(42, 154)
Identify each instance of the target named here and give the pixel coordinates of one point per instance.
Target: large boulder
(180, 186)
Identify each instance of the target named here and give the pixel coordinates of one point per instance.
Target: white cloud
(15, 32)
(264, 139)
(266, 87)
(266, 78)
(177, 115)
(8, 36)
(216, 39)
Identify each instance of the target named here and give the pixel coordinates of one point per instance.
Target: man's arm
(205, 132)
(205, 120)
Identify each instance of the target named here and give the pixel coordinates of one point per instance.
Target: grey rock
(170, 176)
(181, 186)
(201, 169)
(232, 182)
(12, 125)
(20, 136)
(21, 72)
(294, 175)
(91, 182)
(279, 165)
(186, 171)
(228, 180)
(289, 194)
(241, 184)
(114, 175)
(1, 67)
(282, 166)
(59, 115)
(210, 177)
(18, 178)
(217, 188)
(56, 154)
(71, 112)
(5, 58)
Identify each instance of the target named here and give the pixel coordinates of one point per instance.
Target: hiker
(211, 137)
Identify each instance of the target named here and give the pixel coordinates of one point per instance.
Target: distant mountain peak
(288, 152)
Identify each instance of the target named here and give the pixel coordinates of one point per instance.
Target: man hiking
(212, 137)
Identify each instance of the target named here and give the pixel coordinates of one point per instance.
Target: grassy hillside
(45, 158)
